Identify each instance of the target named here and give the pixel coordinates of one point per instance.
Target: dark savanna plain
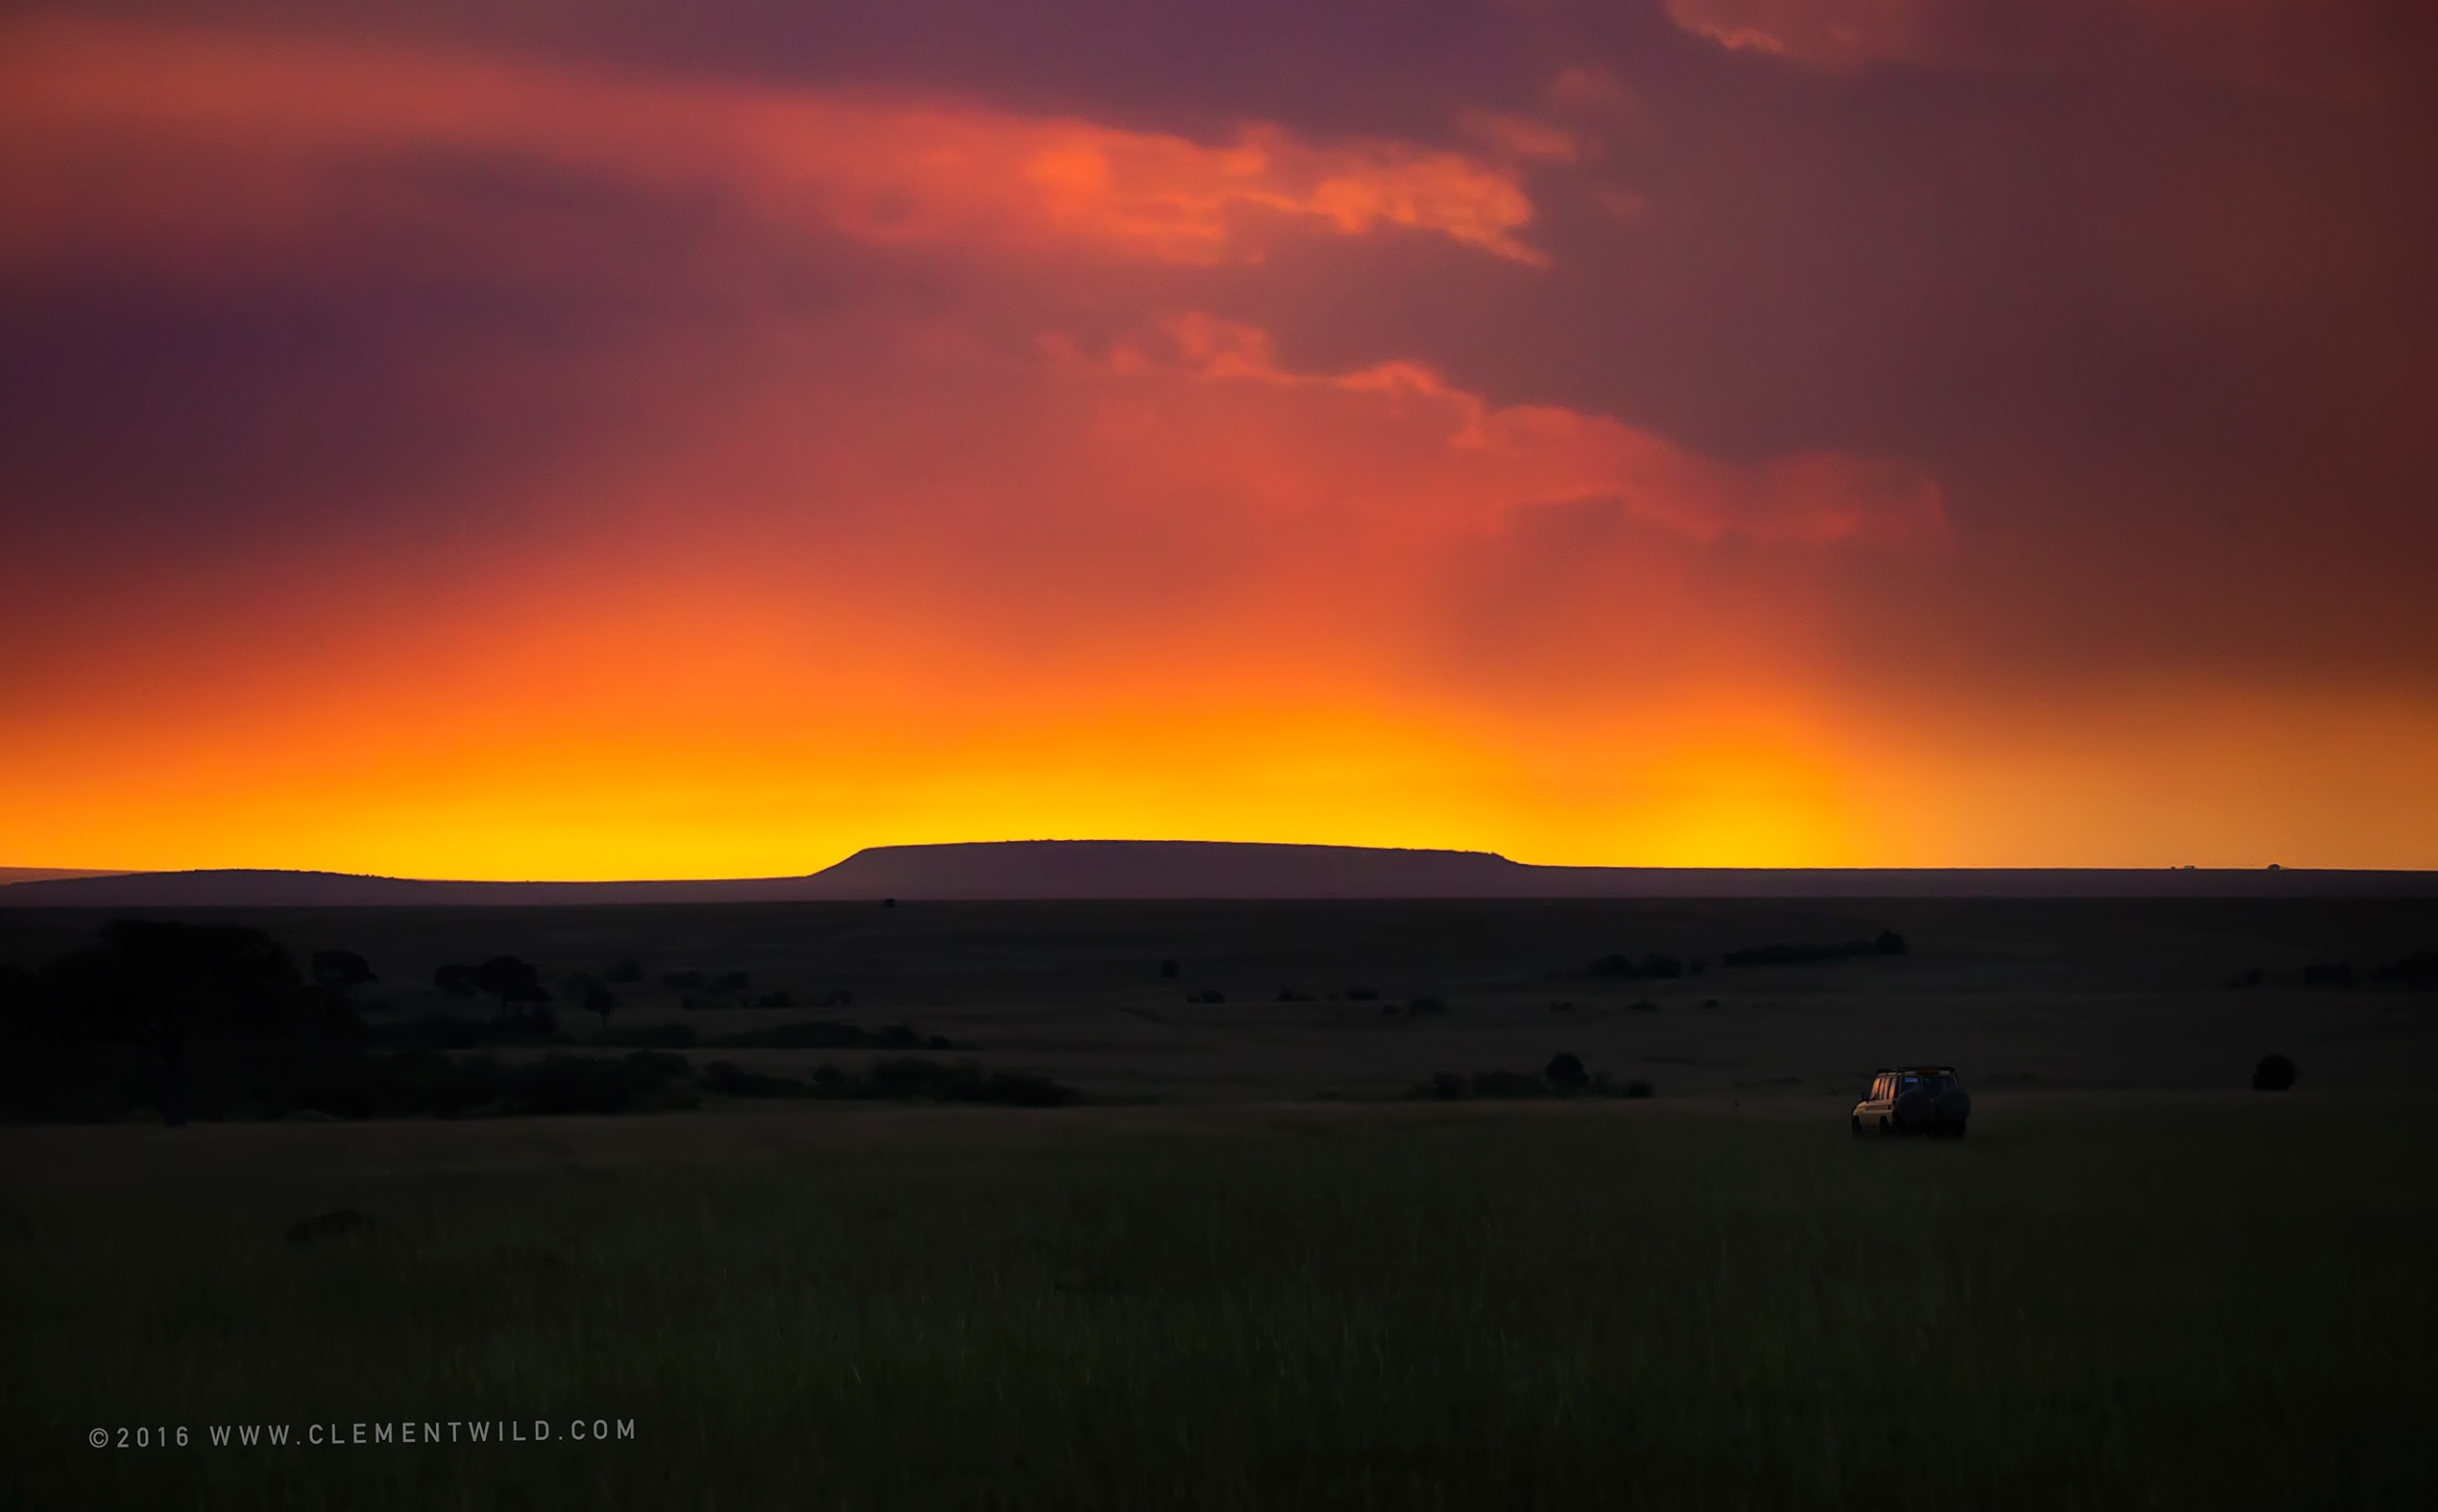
(1300, 1243)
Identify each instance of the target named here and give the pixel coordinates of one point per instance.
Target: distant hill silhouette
(45, 873)
(1196, 868)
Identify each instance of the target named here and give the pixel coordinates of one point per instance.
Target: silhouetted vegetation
(2274, 1073)
(1168, 970)
(341, 971)
(683, 981)
(1565, 1076)
(155, 1014)
(627, 972)
(1362, 995)
(345, 1222)
(816, 1034)
(781, 998)
(1888, 942)
(2327, 973)
(902, 1080)
(593, 996)
(2418, 970)
(1625, 968)
(214, 1021)
(449, 1031)
(649, 1037)
(514, 986)
(1206, 997)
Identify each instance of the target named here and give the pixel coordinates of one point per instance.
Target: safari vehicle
(1914, 1100)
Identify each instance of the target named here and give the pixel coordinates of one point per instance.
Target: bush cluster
(1888, 942)
(904, 1079)
(1565, 1076)
(215, 1021)
(2418, 970)
(1622, 967)
(818, 1034)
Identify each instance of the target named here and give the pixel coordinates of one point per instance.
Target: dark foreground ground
(2101, 1300)
(1260, 1275)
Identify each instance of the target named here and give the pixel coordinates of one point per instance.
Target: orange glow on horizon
(949, 471)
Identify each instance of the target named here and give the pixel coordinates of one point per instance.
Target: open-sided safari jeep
(1914, 1099)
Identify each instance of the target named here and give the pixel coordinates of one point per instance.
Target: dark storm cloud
(2144, 287)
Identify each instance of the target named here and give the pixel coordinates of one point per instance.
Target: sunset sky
(522, 439)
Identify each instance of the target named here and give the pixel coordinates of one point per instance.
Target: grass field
(2022, 994)
(2100, 1299)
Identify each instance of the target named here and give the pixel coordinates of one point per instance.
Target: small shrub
(2419, 970)
(822, 1034)
(2274, 1073)
(1625, 968)
(649, 1036)
(339, 1223)
(564, 1084)
(1887, 943)
(1206, 997)
(777, 999)
(340, 969)
(732, 1080)
(444, 1031)
(661, 1063)
(1565, 1076)
(1508, 1084)
(1023, 1090)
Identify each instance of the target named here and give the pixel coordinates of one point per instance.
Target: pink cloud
(116, 133)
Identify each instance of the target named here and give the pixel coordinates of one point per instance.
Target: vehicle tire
(1858, 1126)
(1883, 1125)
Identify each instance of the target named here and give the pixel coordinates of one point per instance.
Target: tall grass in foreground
(2208, 1305)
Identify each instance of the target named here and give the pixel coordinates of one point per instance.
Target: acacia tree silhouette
(516, 984)
(341, 971)
(165, 986)
(592, 995)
